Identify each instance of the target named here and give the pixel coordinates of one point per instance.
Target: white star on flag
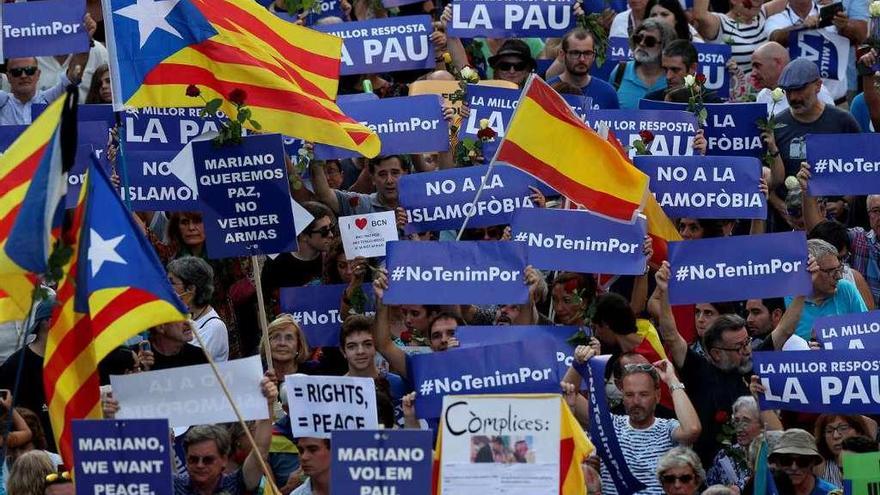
(150, 16)
(103, 251)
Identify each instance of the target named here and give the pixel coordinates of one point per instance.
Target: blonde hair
(285, 321)
(27, 476)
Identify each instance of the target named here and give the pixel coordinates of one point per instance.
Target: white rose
(874, 8)
(469, 74)
(689, 81)
(777, 95)
(792, 183)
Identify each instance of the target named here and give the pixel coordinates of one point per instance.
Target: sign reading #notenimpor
(738, 267)
(843, 164)
(51, 27)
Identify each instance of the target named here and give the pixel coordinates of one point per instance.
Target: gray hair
(679, 457)
(195, 272)
(719, 490)
(819, 249)
(667, 34)
(209, 433)
(747, 403)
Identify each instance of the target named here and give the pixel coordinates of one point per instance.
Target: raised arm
(251, 470)
(788, 323)
(812, 215)
(394, 355)
(689, 428)
(322, 188)
(674, 343)
(708, 24)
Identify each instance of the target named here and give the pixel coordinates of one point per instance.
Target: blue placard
(829, 54)
(673, 130)
(850, 331)
(381, 461)
(706, 186)
(8, 135)
(153, 137)
(474, 336)
(384, 45)
(618, 50)
(466, 272)
(580, 241)
(322, 9)
(843, 382)
(409, 124)
(245, 197)
(731, 128)
(711, 62)
(131, 453)
(388, 4)
(316, 309)
(51, 27)
(91, 139)
(739, 267)
(508, 368)
(843, 164)
(442, 199)
(497, 106)
(511, 18)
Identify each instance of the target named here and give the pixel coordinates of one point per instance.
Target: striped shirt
(742, 38)
(641, 450)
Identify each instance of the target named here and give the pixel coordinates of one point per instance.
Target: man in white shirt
(767, 63)
(52, 67)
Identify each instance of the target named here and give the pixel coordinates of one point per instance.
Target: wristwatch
(677, 386)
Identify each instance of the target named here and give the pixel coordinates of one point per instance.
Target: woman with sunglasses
(680, 472)
(796, 455)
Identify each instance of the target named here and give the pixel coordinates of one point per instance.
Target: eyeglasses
(785, 460)
(746, 344)
(836, 272)
(648, 41)
(28, 71)
(669, 479)
(204, 460)
(576, 54)
(640, 368)
(874, 211)
(839, 429)
(506, 66)
(324, 231)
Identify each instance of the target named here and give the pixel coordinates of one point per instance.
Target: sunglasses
(648, 41)
(28, 71)
(506, 66)
(204, 460)
(324, 231)
(798, 460)
(669, 479)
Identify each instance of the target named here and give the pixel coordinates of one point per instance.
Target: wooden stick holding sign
(261, 311)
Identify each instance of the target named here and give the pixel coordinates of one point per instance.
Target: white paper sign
(500, 444)
(321, 404)
(190, 395)
(366, 235)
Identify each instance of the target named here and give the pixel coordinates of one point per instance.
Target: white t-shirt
(213, 332)
(764, 97)
(620, 25)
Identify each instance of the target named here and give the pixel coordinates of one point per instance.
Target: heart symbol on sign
(360, 223)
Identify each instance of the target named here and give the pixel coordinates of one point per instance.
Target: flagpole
(120, 160)
(492, 162)
(261, 310)
(263, 466)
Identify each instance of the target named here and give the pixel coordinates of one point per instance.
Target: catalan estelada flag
(33, 183)
(289, 73)
(547, 140)
(660, 227)
(113, 289)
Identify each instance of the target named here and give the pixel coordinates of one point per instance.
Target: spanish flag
(547, 140)
(287, 75)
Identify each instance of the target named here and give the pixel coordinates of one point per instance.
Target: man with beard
(679, 60)
(643, 437)
(506, 314)
(645, 74)
(578, 52)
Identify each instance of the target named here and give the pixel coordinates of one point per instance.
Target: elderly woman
(796, 455)
(27, 476)
(731, 466)
(830, 432)
(680, 472)
(193, 280)
(289, 348)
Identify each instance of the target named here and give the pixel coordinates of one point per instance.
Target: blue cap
(43, 311)
(797, 74)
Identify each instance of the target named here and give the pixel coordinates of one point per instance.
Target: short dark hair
(682, 28)
(374, 162)
(441, 315)
(586, 283)
(681, 48)
(724, 323)
(832, 232)
(860, 444)
(325, 440)
(773, 303)
(577, 33)
(206, 433)
(614, 310)
(354, 324)
(317, 210)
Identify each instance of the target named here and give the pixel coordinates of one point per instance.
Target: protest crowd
(658, 217)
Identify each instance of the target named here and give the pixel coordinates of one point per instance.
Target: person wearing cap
(796, 455)
(30, 393)
(807, 114)
(767, 63)
(513, 62)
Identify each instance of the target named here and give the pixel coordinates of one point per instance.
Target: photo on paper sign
(502, 449)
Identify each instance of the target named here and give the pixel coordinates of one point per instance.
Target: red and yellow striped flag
(547, 140)
(289, 74)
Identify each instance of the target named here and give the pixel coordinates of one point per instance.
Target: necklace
(201, 313)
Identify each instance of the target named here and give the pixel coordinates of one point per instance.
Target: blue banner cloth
(316, 309)
(843, 164)
(511, 18)
(51, 27)
(673, 130)
(381, 461)
(849, 331)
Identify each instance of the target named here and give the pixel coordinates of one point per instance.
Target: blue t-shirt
(846, 300)
(602, 93)
(860, 112)
(632, 89)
